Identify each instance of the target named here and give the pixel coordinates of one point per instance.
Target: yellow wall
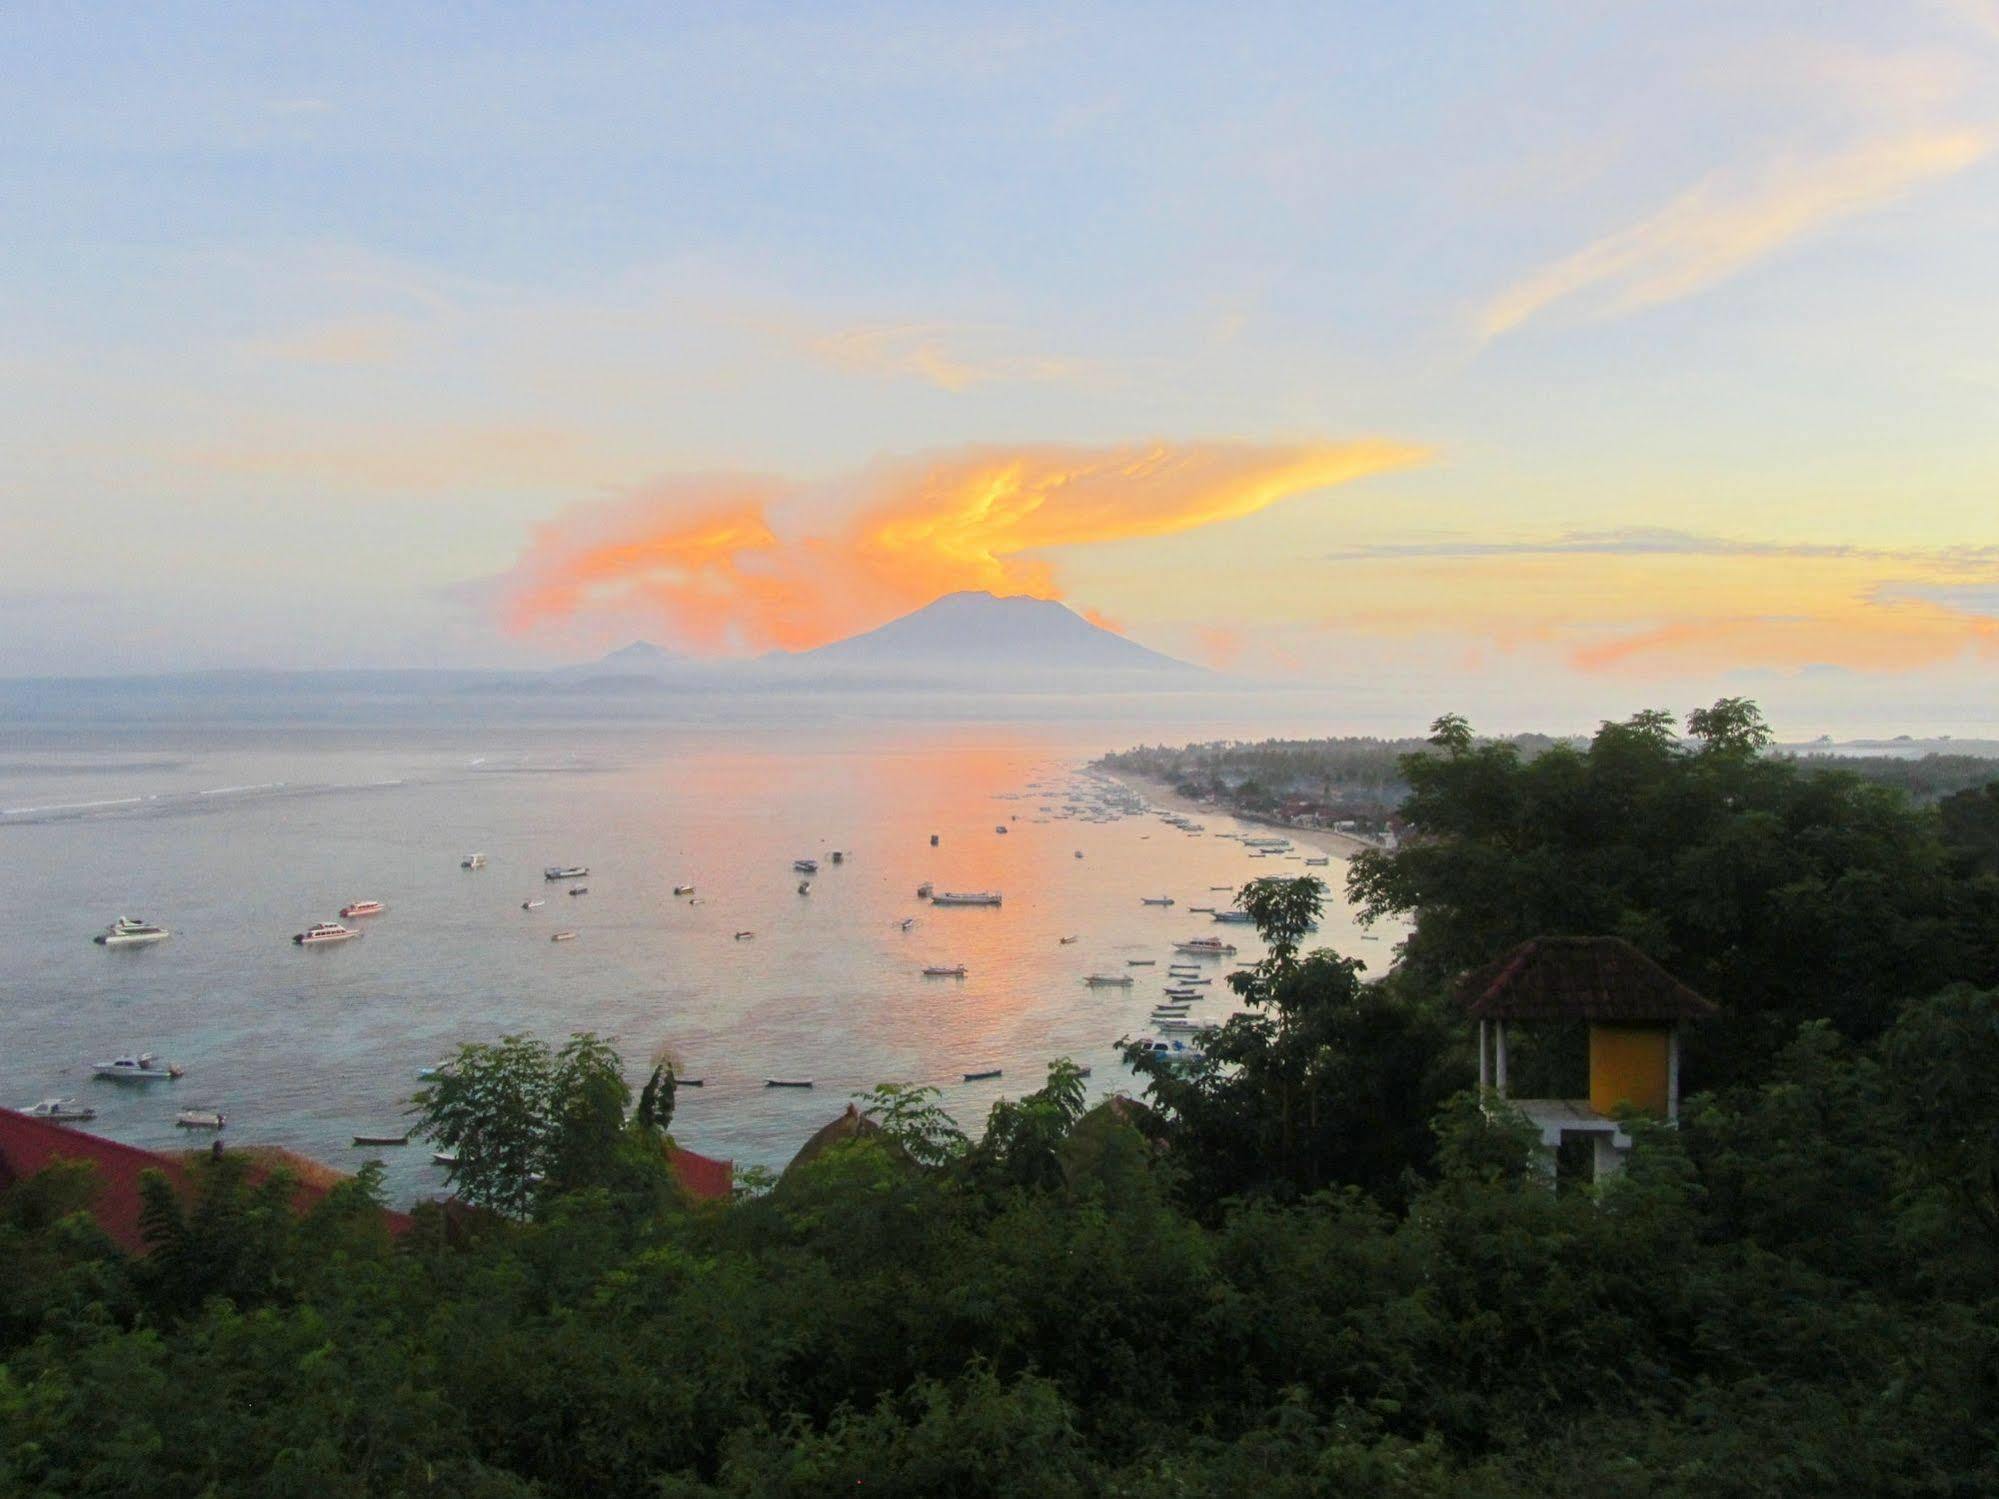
(1627, 1065)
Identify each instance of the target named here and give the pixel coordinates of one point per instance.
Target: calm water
(236, 840)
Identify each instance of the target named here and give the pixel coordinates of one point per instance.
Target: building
(1634, 1010)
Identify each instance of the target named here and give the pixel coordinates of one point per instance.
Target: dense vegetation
(1310, 1263)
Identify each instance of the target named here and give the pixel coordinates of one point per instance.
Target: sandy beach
(1160, 794)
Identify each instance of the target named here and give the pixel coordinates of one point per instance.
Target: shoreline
(1160, 794)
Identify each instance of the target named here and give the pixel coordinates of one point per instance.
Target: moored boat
(683, 889)
(128, 931)
(60, 1111)
(1234, 918)
(533, 905)
(787, 1082)
(1109, 980)
(979, 1077)
(363, 908)
(965, 898)
(562, 937)
(323, 931)
(565, 871)
(939, 971)
(805, 866)
(1140, 962)
(1207, 947)
(143, 1068)
(472, 861)
(1155, 900)
(381, 1140)
(579, 889)
(201, 1119)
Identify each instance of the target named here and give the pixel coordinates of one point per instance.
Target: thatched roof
(1579, 978)
(852, 1125)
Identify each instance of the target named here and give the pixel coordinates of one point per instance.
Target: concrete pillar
(1673, 1071)
(1500, 1061)
(1607, 1160)
(1483, 1071)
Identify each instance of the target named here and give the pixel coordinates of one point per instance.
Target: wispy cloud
(1651, 541)
(1727, 222)
(949, 357)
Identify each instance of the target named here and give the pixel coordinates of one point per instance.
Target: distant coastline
(1345, 845)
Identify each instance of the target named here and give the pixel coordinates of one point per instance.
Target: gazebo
(1634, 1010)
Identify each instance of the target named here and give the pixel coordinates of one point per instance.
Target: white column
(1482, 1068)
(1500, 1027)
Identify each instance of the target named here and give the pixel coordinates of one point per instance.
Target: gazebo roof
(1579, 978)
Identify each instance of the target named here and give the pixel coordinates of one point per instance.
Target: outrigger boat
(940, 972)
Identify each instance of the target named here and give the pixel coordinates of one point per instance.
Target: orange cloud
(1221, 646)
(1103, 621)
(740, 563)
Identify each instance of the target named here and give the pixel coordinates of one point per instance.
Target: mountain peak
(972, 630)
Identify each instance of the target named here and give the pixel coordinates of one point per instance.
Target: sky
(1541, 358)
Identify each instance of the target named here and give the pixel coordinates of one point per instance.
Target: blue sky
(360, 316)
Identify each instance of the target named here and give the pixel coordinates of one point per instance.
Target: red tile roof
(1579, 978)
(702, 1177)
(30, 1145)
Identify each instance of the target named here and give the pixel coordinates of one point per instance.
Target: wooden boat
(787, 1082)
(938, 971)
(745, 936)
(683, 889)
(443, 1158)
(200, 1119)
(562, 937)
(1140, 962)
(979, 1077)
(381, 1140)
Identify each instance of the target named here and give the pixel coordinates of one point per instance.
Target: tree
(1325, 1080)
(520, 1121)
(911, 1116)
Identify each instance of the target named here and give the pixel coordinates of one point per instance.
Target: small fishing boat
(933, 840)
(384, 1141)
(1155, 900)
(472, 861)
(562, 936)
(533, 905)
(689, 1082)
(565, 872)
(1181, 994)
(941, 972)
(60, 1111)
(805, 866)
(923, 891)
(1001, 828)
(906, 923)
(805, 887)
(1177, 1053)
(683, 889)
(362, 908)
(1309, 863)
(787, 1082)
(1208, 947)
(200, 1119)
(579, 889)
(128, 931)
(1188, 980)
(322, 932)
(1079, 853)
(746, 936)
(1221, 887)
(980, 1077)
(1234, 918)
(838, 856)
(1109, 981)
(1140, 962)
(965, 898)
(1202, 910)
(143, 1068)
(435, 1070)
(443, 1158)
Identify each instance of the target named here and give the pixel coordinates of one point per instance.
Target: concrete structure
(1634, 1010)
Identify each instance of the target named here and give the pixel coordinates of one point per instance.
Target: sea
(237, 834)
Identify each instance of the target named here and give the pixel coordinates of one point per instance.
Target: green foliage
(911, 1116)
(1781, 894)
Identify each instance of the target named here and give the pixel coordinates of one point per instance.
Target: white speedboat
(533, 905)
(143, 1068)
(362, 908)
(565, 871)
(322, 932)
(127, 931)
(1109, 981)
(472, 861)
(939, 971)
(201, 1119)
(60, 1111)
(1176, 1053)
(965, 898)
(1207, 947)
